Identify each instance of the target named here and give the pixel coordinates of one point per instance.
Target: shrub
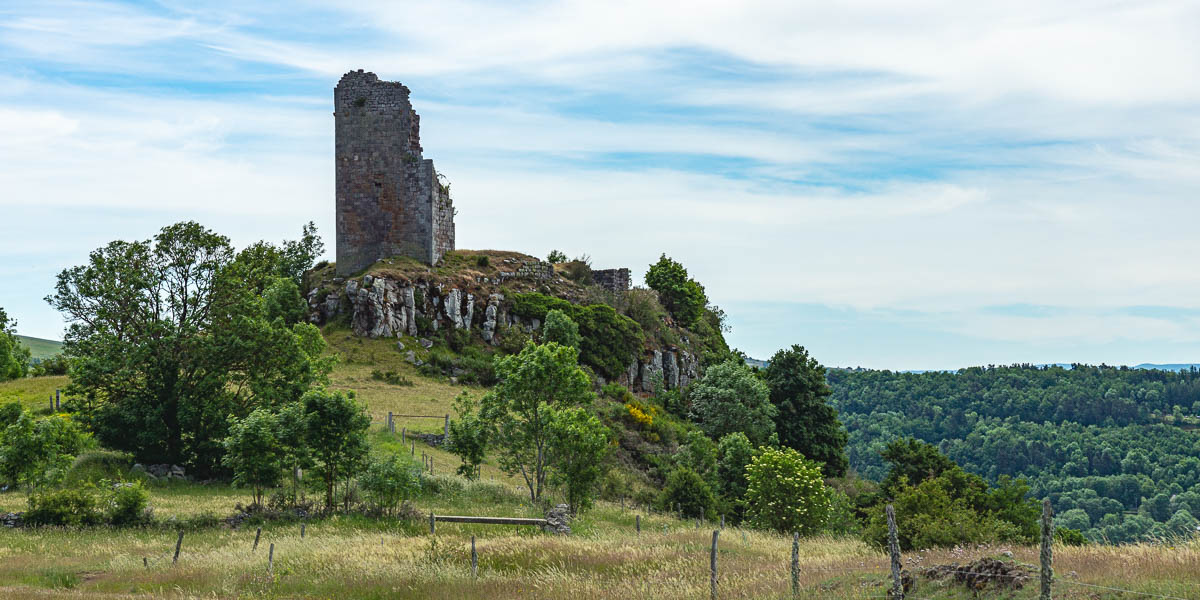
(71, 507)
(616, 391)
(556, 256)
(97, 465)
(126, 503)
(482, 261)
(640, 413)
(390, 481)
(610, 341)
(391, 377)
(1069, 537)
(561, 329)
(683, 297)
(786, 492)
(579, 271)
(688, 492)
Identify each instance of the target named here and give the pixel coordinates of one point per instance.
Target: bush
(98, 465)
(390, 481)
(561, 329)
(687, 491)
(482, 261)
(556, 256)
(610, 341)
(126, 504)
(683, 297)
(1069, 537)
(618, 392)
(730, 398)
(786, 492)
(71, 507)
(579, 271)
(391, 377)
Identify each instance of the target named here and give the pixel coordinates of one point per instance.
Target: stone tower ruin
(390, 200)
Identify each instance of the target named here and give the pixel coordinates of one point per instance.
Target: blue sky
(917, 186)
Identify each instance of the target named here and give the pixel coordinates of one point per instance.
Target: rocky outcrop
(384, 307)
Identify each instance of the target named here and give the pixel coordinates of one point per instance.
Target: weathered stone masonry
(390, 200)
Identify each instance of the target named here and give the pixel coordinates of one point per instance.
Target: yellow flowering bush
(641, 414)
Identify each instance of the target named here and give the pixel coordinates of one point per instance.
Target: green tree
(785, 492)
(518, 409)
(282, 301)
(253, 452)
(912, 461)
(291, 432)
(336, 428)
(391, 480)
(730, 398)
(686, 491)
(35, 452)
(561, 329)
(170, 336)
(577, 447)
(805, 420)
(469, 436)
(556, 256)
(14, 357)
(734, 453)
(683, 297)
(699, 454)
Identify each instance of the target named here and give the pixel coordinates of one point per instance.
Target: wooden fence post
(145, 562)
(474, 560)
(432, 526)
(257, 535)
(796, 564)
(390, 427)
(271, 559)
(446, 429)
(51, 403)
(712, 564)
(403, 435)
(722, 521)
(894, 550)
(57, 396)
(1047, 551)
(302, 525)
(637, 524)
(414, 450)
(178, 544)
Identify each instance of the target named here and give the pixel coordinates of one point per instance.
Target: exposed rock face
(384, 307)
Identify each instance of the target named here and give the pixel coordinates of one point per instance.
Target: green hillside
(41, 349)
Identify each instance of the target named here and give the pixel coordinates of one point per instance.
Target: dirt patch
(983, 573)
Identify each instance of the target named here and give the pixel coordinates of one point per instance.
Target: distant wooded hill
(1103, 440)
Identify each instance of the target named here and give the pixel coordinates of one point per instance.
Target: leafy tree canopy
(730, 398)
(682, 296)
(805, 419)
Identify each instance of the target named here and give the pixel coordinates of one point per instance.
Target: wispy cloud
(935, 158)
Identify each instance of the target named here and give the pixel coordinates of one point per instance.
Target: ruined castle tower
(390, 200)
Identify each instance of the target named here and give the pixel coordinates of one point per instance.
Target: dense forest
(1113, 448)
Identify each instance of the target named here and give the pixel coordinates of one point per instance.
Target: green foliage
(805, 420)
(391, 377)
(643, 306)
(36, 452)
(1100, 439)
(683, 297)
(113, 503)
(699, 454)
(253, 452)
(482, 261)
(944, 506)
(786, 493)
(14, 356)
(126, 503)
(561, 329)
(1069, 537)
(579, 270)
(336, 435)
(170, 336)
(734, 453)
(94, 466)
(730, 398)
(9, 413)
(556, 257)
(577, 446)
(55, 365)
(70, 507)
(282, 300)
(469, 436)
(518, 409)
(688, 492)
(610, 340)
(390, 481)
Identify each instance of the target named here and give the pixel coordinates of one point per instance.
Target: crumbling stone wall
(390, 201)
(613, 280)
